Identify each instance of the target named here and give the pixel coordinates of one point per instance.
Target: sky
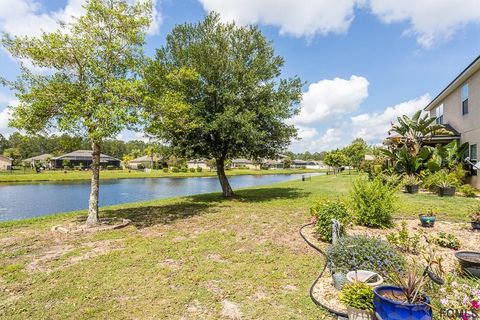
(364, 62)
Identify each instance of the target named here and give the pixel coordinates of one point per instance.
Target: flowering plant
(461, 299)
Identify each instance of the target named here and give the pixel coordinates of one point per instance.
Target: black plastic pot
(412, 189)
(446, 191)
(470, 262)
(475, 225)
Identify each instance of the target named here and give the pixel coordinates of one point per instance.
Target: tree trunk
(227, 190)
(94, 185)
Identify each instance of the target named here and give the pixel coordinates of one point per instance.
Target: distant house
(273, 164)
(5, 163)
(197, 163)
(244, 163)
(43, 158)
(297, 164)
(84, 158)
(144, 161)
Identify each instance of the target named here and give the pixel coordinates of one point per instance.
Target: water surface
(19, 201)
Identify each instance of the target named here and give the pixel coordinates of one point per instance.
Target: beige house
(5, 163)
(458, 108)
(244, 163)
(197, 163)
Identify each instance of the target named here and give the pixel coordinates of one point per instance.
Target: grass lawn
(59, 175)
(184, 257)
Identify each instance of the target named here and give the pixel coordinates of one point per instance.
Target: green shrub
(468, 191)
(447, 240)
(199, 169)
(183, 169)
(165, 170)
(404, 241)
(140, 166)
(175, 170)
(111, 167)
(324, 212)
(364, 253)
(192, 170)
(358, 295)
(373, 202)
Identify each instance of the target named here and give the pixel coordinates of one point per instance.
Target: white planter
(356, 314)
(362, 276)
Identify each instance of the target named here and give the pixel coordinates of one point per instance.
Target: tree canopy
(91, 88)
(216, 92)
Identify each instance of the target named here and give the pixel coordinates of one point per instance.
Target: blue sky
(364, 61)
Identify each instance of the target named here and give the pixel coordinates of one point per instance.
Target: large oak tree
(90, 88)
(217, 93)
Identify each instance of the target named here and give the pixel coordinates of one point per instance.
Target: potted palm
(404, 298)
(446, 184)
(411, 183)
(358, 297)
(428, 219)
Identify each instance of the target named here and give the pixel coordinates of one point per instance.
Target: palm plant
(447, 156)
(408, 161)
(416, 130)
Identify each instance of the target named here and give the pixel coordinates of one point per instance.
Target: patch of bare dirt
(231, 310)
(45, 261)
(173, 264)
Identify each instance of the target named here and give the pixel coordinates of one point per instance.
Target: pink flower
(475, 304)
(464, 316)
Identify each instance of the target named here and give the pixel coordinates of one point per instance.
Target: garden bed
(324, 291)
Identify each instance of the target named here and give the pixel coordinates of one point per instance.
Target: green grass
(59, 175)
(180, 257)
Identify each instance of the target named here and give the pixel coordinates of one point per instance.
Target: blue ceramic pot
(427, 221)
(387, 309)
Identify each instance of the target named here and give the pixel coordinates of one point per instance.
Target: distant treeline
(316, 156)
(29, 146)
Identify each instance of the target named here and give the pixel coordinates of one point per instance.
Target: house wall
(5, 165)
(196, 165)
(467, 125)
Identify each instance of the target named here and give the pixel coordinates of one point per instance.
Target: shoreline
(60, 176)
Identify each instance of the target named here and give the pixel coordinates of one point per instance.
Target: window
(465, 99)
(439, 114)
(473, 152)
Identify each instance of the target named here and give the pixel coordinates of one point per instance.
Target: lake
(19, 201)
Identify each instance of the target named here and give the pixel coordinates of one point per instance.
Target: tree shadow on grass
(146, 216)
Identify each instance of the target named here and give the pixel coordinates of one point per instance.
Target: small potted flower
(428, 219)
(411, 184)
(475, 219)
(358, 297)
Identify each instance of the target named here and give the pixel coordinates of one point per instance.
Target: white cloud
(5, 130)
(372, 127)
(295, 17)
(331, 97)
(29, 17)
(430, 21)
